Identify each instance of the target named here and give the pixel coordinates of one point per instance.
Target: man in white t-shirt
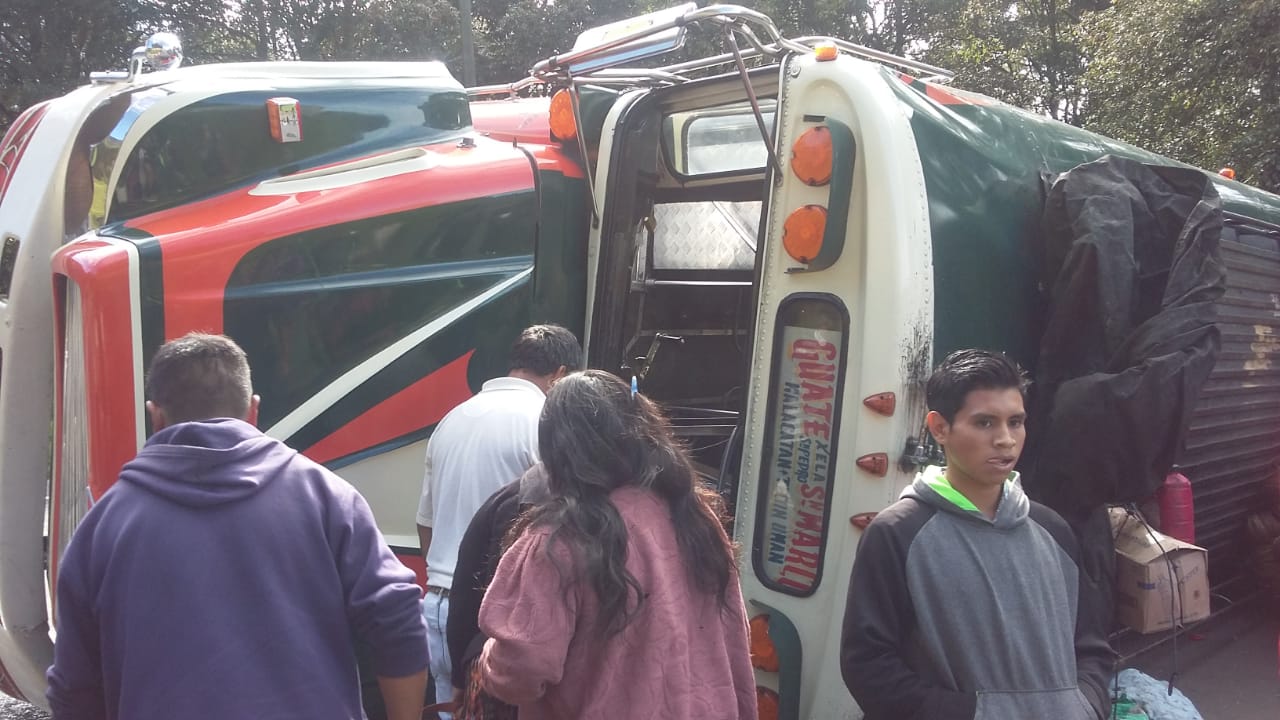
(481, 445)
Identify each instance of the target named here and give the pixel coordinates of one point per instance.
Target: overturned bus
(776, 242)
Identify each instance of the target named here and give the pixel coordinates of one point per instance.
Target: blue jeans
(435, 609)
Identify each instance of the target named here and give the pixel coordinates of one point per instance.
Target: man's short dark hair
(199, 377)
(967, 370)
(543, 349)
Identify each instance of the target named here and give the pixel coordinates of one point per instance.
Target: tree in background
(1197, 80)
(221, 30)
(1027, 52)
(421, 29)
(512, 36)
(48, 48)
(901, 27)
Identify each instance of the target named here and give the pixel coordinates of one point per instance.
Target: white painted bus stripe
(338, 389)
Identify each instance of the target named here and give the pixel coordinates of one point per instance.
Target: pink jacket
(683, 656)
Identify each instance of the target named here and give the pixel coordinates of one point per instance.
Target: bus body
(376, 257)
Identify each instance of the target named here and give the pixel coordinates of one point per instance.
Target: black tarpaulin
(1132, 270)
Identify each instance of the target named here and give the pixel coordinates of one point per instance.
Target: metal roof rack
(749, 25)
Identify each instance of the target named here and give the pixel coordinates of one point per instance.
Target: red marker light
(862, 520)
(876, 463)
(883, 403)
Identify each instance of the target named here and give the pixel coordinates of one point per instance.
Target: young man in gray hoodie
(965, 594)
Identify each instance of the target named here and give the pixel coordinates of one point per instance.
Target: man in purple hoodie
(227, 576)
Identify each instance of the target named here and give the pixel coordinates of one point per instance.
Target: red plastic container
(1177, 508)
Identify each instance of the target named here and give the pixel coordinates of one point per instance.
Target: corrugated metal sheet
(1234, 440)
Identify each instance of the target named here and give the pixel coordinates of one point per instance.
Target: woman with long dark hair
(619, 598)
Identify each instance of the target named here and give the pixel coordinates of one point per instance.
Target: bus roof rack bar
(756, 28)
(865, 53)
(504, 89)
(557, 64)
(606, 76)
(881, 57)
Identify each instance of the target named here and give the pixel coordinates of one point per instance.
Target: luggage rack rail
(735, 20)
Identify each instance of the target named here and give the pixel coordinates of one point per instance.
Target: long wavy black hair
(595, 436)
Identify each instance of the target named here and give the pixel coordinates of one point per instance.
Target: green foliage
(1026, 52)
(421, 29)
(901, 27)
(47, 48)
(1197, 80)
(511, 37)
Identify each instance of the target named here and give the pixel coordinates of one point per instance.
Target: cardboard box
(1145, 600)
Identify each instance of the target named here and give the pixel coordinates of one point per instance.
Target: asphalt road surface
(11, 709)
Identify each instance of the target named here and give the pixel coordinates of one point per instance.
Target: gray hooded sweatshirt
(955, 615)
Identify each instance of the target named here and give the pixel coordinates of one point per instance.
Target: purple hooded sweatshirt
(227, 576)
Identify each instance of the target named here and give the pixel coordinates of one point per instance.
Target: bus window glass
(799, 455)
(222, 142)
(722, 140)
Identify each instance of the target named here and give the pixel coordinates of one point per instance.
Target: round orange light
(766, 703)
(825, 51)
(1228, 173)
(802, 232)
(561, 121)
(811, 156)
(763, 654)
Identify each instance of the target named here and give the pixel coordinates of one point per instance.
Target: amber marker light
(1228, 173)
(825, 51)
(561, 122)
(766, 703)
(763, 654)
(811, 156)
(802, 232)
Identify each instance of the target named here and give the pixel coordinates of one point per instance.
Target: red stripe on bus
(15, 143)
(203, 242)
(420, 405)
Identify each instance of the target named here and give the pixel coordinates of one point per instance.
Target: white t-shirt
(481, 445)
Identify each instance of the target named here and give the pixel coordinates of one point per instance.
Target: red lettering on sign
(794, 584)
(813, 492)
(800, 538)
(814, 392)
(798, 574)
(811, 506)
(823, 411)
(813, 350)
(802, 558)
(817, 429)
(812, 522)
(820, 371)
